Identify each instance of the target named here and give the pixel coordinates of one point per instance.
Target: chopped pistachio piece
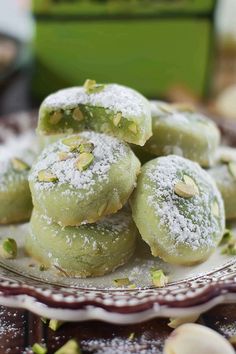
(73, 142)
(230, 249)
(46, 176)
(133, 128)
(191, 182)
(132, 286)
(92, 87)
(117, 119)
(89, 84)
(177, 321)
(84, 161)
(55, 324)
(102, 209)
(184, 107)
(71, 347)
(39, 349)
(77, 114)
(215, 209)
(63, 156)
(44, 320)
(19, 165)
(42, 267)
(8, 248)
(232, 169)
(226, 158)
(86, 147)
(121, 282)
(167, 108)
(158, 277)
(185, 190)
(131, 336)
(55, 117)
(227, 237)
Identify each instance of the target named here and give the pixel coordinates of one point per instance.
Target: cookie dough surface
(84, 251)
(15, 197)
(224, 174)
(110, 108)
(182, 132)
(182, 224)
(72, 190)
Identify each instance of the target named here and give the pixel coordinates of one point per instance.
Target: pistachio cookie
(110, 108)
(224, 174)
(85, 251)
(178, 210)
(180, 131)
(82, 178)
(15, 197)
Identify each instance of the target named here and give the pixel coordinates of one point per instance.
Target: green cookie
(113, 109)
(179, 131)
(82, 178)
(178, 210)
(84, 251)
(224, 174)
(15, 197)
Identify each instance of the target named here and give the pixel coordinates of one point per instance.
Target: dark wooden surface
(20, 329)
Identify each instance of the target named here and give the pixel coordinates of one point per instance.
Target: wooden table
(19, 329)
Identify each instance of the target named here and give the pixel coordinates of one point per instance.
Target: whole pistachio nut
(193, 338)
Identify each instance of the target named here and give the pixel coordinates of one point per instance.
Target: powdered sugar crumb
(108, 150)
(114, 97)
(188, 221)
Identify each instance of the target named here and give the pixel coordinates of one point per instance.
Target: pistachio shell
(84, 161)
(185, 190)
(193, 338)
(55, 117)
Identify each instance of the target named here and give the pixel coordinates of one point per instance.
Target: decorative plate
(52, 294)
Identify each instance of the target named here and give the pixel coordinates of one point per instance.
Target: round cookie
(84, 251)
(178, 210)
(107, 108)
(15, 197)
(82, 178)
(180, 131)
(224, 174)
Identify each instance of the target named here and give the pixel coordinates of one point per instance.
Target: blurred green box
(149, 45)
